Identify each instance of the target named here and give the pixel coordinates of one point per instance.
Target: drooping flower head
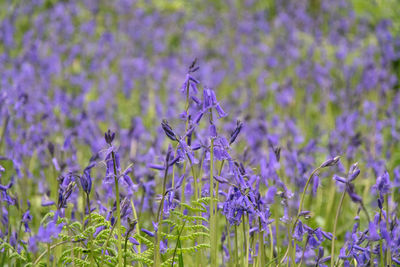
(109, 137)
(86, 179)
(190, 81)
(168, 130)
(353, 173)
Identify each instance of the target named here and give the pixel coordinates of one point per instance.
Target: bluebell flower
(109, 136)
(4, 188)
(235, 133)
(185, 150)
(383, 184)
(210, 101)
(320, 260)
(110, 175)
(47, 233)
(26, 219)
(86, 179)
(64, 192)
(190, 81)
(353, 173)
(168, 130)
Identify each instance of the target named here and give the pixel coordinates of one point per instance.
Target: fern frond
(191, 236)
(191, 208)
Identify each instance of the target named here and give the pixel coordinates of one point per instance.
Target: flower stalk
(119, 244)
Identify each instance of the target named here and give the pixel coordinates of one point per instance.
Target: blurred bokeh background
(318, 78)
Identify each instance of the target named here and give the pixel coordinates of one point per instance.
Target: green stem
(157, 256)
(304, 191)
(47, 251)
(299, 210)
(126, 245)
(185, 163)
(104, 248)
(246, 242)
(196, 189)
(388, 253)
(119, 244)
(271, 252)
(276, 213)
(304, 250)
(382, 258)
(290, 249)
(229, 243)
(212, 222)
(137, 223)
(334, 228)
(90, 234)
(261, 250)
(236, 247)
(3, 132)
(48, 255)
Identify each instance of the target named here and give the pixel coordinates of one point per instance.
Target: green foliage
(185, 233)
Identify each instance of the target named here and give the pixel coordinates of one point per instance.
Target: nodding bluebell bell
(6, 187)
(320, 257)
(86, 179)
(190, 81)
(64, 194)
(351, 176)
(210, 101)
(383, 184)
(147, 232)
(168, 130)
(109, 136)
(193, 67)
(27, 218)
(330, 162)
(213, 130)
(51, 230)
(125, 207)
(235, 133)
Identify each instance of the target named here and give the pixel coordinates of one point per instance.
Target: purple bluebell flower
(315, 184)
(210, 101)
(190, 81)
(270, 195)
(330, 162)
(64, 193)
(354, 171)
(86, 179)
(147, 232)
(185, 150)
(213, 131)
(235, 133)
(320, 260)
(6, 187)
(26, 219)
(221, 148)
(383, 184)
(109, 178)
(373, 233)
(299, 231)
(109, 137)
(168, 130)
(47, 233)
